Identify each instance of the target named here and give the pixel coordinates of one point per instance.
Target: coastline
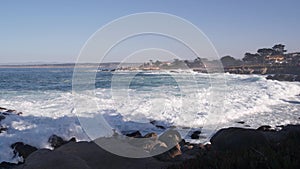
(254, 148)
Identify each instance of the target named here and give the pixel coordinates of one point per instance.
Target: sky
(55, 31)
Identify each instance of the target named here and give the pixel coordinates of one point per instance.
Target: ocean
(130, 101)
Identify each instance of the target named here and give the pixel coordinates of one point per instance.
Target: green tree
(265, 52)
(252, 58)
(279, 49)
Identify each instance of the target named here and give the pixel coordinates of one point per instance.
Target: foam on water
(248, 98)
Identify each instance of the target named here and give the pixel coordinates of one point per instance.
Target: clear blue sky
(55, 30)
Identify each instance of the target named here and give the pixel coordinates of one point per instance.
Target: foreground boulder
(237, 138)
(85, 155)
(47, 159)
(238, 148)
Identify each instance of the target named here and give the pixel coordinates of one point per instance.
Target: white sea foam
(248, 98)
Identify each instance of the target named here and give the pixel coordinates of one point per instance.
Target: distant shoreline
(59, 65)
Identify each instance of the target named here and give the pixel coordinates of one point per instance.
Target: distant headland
(274, 60)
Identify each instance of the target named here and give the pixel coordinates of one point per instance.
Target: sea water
(129, 101)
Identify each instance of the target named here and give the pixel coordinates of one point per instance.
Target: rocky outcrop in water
(284, 77)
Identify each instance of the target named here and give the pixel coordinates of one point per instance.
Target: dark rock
(175, 151)
(292, 132)
(282, 77)
(280, 126)
(2, 108)
(170, 154)
(46, 159)
(196, 134)
(22, 149)
(170, 137)
(160, 127)
(98, 158)
(207, 146)
(56, 141)
(135, 134)
(265, 128)
(186, 148)
(2, 129)
(182, 143)
(159, 148)
(237, 138)
(247, 125)
(73, 139)
(240, 122)
(151, 135)
(154, 122)
(86, 155)
(269, 77)
(192, 150)
(6, 112)
(11, 111)
(7, 165)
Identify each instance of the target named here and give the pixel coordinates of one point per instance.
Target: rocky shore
(284, 77)
(264, 147)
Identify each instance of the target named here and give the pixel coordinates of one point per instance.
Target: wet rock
(2, 109)
(196, 134)
(192, 150)
(6, 112)
(240, 122)
(265, 128)
(73, 139)
(155, 146)
(135, 134)
(282, 77)
(160, 127)
(170, 137)
(11, 111)
(7, 165)
(56, 141)
(175, 151)
(151, 135)
(22, 149)
(2, 129)
(154, 122)
(186, 148)
(168, 155)
(183, 143)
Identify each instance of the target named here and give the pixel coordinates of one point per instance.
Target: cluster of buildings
(284, 59)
